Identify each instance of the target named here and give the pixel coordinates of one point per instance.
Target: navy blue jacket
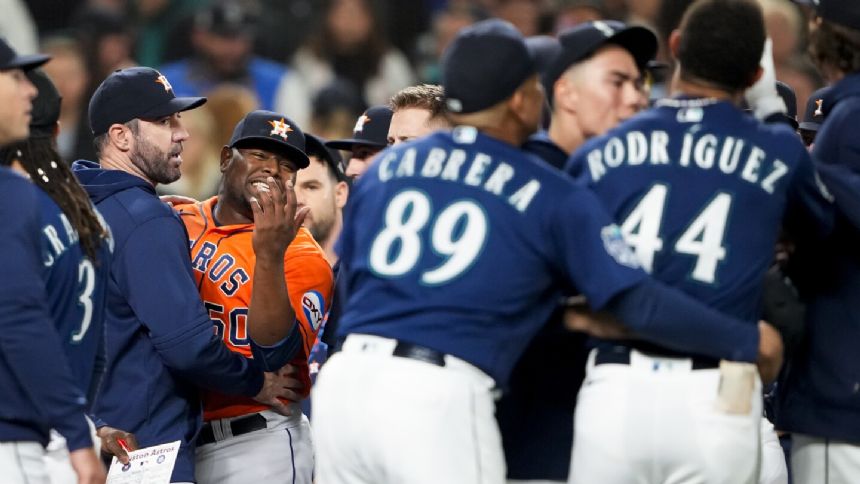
(160, 341)
(820, 394)
(37, 390)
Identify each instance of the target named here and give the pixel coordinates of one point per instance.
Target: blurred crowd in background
(321, 62)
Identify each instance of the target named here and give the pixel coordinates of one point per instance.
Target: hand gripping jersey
(222, 258)
(701, 191)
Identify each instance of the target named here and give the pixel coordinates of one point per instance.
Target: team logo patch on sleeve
(313, 304)
(617, 247)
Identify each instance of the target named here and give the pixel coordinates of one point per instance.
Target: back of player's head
(722, 42)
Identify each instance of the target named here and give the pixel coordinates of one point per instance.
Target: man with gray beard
(159, 340)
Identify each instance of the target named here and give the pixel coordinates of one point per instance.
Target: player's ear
(564, 94)
(120, 136)
(675, 43)
(226, 157)
(341, 194)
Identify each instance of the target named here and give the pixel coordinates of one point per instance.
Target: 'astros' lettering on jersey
(222, 258)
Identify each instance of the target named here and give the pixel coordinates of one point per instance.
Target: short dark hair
(835, 46)
(722, 42)
(325, 158)
(424, 96)
(100, 141)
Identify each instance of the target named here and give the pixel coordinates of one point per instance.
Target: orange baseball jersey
(222, 258)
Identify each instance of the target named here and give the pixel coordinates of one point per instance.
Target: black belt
(238, 426)
(620, 355)
(420, 353)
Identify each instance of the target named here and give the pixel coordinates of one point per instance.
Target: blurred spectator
(229, 103)
(350, 45)
(570, 13)
(17, 26)
(784, 25)
(51, 16)
(273, 41)
(223, 37)
(200, 166)
(106, 41)
(446, 24)
(68, 71)
(156, 21)
(643, 12)
(523, 14)
(335, 109)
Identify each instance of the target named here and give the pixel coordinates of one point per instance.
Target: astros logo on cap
(819, 103)
(280, 128)
(359, 124)
(164, 82)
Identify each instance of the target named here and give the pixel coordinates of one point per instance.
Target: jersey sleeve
(810, 211)
(592, 249)
(29, 345)
(310, 285)
(837, 159)
(154, 271)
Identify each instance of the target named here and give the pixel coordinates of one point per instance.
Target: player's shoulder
(196, 213)
(20, 196)
(304, 245)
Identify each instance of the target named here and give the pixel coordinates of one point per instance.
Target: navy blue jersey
(76, 289)
(37, 391)
(701, 190)
(459, 242)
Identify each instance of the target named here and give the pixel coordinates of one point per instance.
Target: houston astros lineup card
(152, 465)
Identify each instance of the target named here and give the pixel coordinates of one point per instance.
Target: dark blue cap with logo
(315, 146)
(10, 60)
(580, 42)
(816, 110)
(136, 92)
(371, 129)
(271, 131)
(484, 65)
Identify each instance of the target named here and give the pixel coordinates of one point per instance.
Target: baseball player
(817, 400)
(369, 137)
(593, 74)
(250, 222)
(38, 387)
(160, 343)
(322, 187)
(813, 116)
(417, 112)
(686, 181)
(76, 253)
(453, 253)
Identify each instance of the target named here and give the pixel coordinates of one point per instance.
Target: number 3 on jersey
(703, 237)
(458, 234)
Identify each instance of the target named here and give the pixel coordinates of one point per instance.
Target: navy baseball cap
(815, 111)
(545, 49)
(842, 12)
(484, 65)
(10, 60)
(271, 131)
(371, 129)
(315, 146)
(580, 42)
(46, 106)
(136, 92)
